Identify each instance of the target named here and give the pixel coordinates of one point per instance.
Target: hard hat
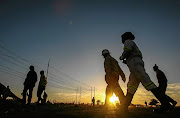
(126, 36)
(105, 51)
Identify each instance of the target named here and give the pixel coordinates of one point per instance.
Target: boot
(171, 100)
(165, 105)
(119, 93)
(174, 103)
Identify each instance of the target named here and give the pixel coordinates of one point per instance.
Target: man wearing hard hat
(112, 70)
(132, 56)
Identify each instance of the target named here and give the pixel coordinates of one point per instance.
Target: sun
(114, 99)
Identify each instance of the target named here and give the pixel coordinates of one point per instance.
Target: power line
(25, 60)
(14, 53)
(4, 48)
(60, 82)
(5, 71)
(12, 69)
(13, 63)
(2, 53)
(70, 77)
(61, 87)
(60, 79)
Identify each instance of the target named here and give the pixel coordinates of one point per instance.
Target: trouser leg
(163, 87)
(165, 105)
(30, 95)
(136, 67)
(132, 86)
(119, 93)
(39, 92)
(109, 93)
(24, 94)
(170, 99)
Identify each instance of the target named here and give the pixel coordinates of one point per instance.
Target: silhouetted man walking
(112, 70)
(29, 84)
(132, 56)
(162, 80)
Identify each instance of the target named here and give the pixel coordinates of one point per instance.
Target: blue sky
(72, 34)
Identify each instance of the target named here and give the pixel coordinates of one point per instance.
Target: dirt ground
(13, 110)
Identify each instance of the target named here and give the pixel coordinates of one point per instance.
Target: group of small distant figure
(29, 85)
(133, 58)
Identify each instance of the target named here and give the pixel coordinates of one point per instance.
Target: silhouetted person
(29, 84)
(93, 101)
(146, 103)
(42, 86)
(162, 80)
(112, 70)
(132, 56)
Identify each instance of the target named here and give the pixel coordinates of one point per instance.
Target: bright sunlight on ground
(114, 99)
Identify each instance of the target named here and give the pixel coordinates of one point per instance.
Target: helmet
(31, 67)
(105, 51)
(126, 36)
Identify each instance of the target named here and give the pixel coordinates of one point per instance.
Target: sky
(73, 33)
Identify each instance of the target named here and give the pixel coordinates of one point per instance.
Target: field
(9, 109)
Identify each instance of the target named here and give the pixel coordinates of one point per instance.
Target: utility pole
(94, 92)
(48, 68)
(80, 96)
(94, 96)
(91, 95)
(76, 94)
